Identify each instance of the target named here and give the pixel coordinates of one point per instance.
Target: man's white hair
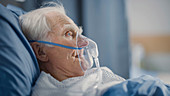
(34, 23)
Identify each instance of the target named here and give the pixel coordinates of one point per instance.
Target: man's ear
(40, 52)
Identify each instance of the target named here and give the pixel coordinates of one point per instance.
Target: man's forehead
(63, 21)
(57, 18)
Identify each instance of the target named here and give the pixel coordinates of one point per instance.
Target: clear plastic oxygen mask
(85, 55)
(89, 53)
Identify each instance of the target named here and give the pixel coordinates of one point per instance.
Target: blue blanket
(142, 86)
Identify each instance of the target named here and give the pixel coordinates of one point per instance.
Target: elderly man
(64, 69)
(51, 24)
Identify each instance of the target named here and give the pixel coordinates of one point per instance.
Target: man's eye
(68, 34)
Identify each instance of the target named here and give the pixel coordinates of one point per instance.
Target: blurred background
(133, 36)
(149, 30)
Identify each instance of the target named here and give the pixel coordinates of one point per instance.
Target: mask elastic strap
(55, 44)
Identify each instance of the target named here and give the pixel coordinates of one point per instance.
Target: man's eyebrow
(69, 26)
(80, 29)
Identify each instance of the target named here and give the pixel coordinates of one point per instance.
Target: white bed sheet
(46, 85)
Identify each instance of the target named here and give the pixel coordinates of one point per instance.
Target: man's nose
(82, 42)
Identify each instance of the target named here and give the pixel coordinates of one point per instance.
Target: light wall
(149, 22)
(149, 28)
(149, 17)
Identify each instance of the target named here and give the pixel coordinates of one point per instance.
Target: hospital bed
(19, 68)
